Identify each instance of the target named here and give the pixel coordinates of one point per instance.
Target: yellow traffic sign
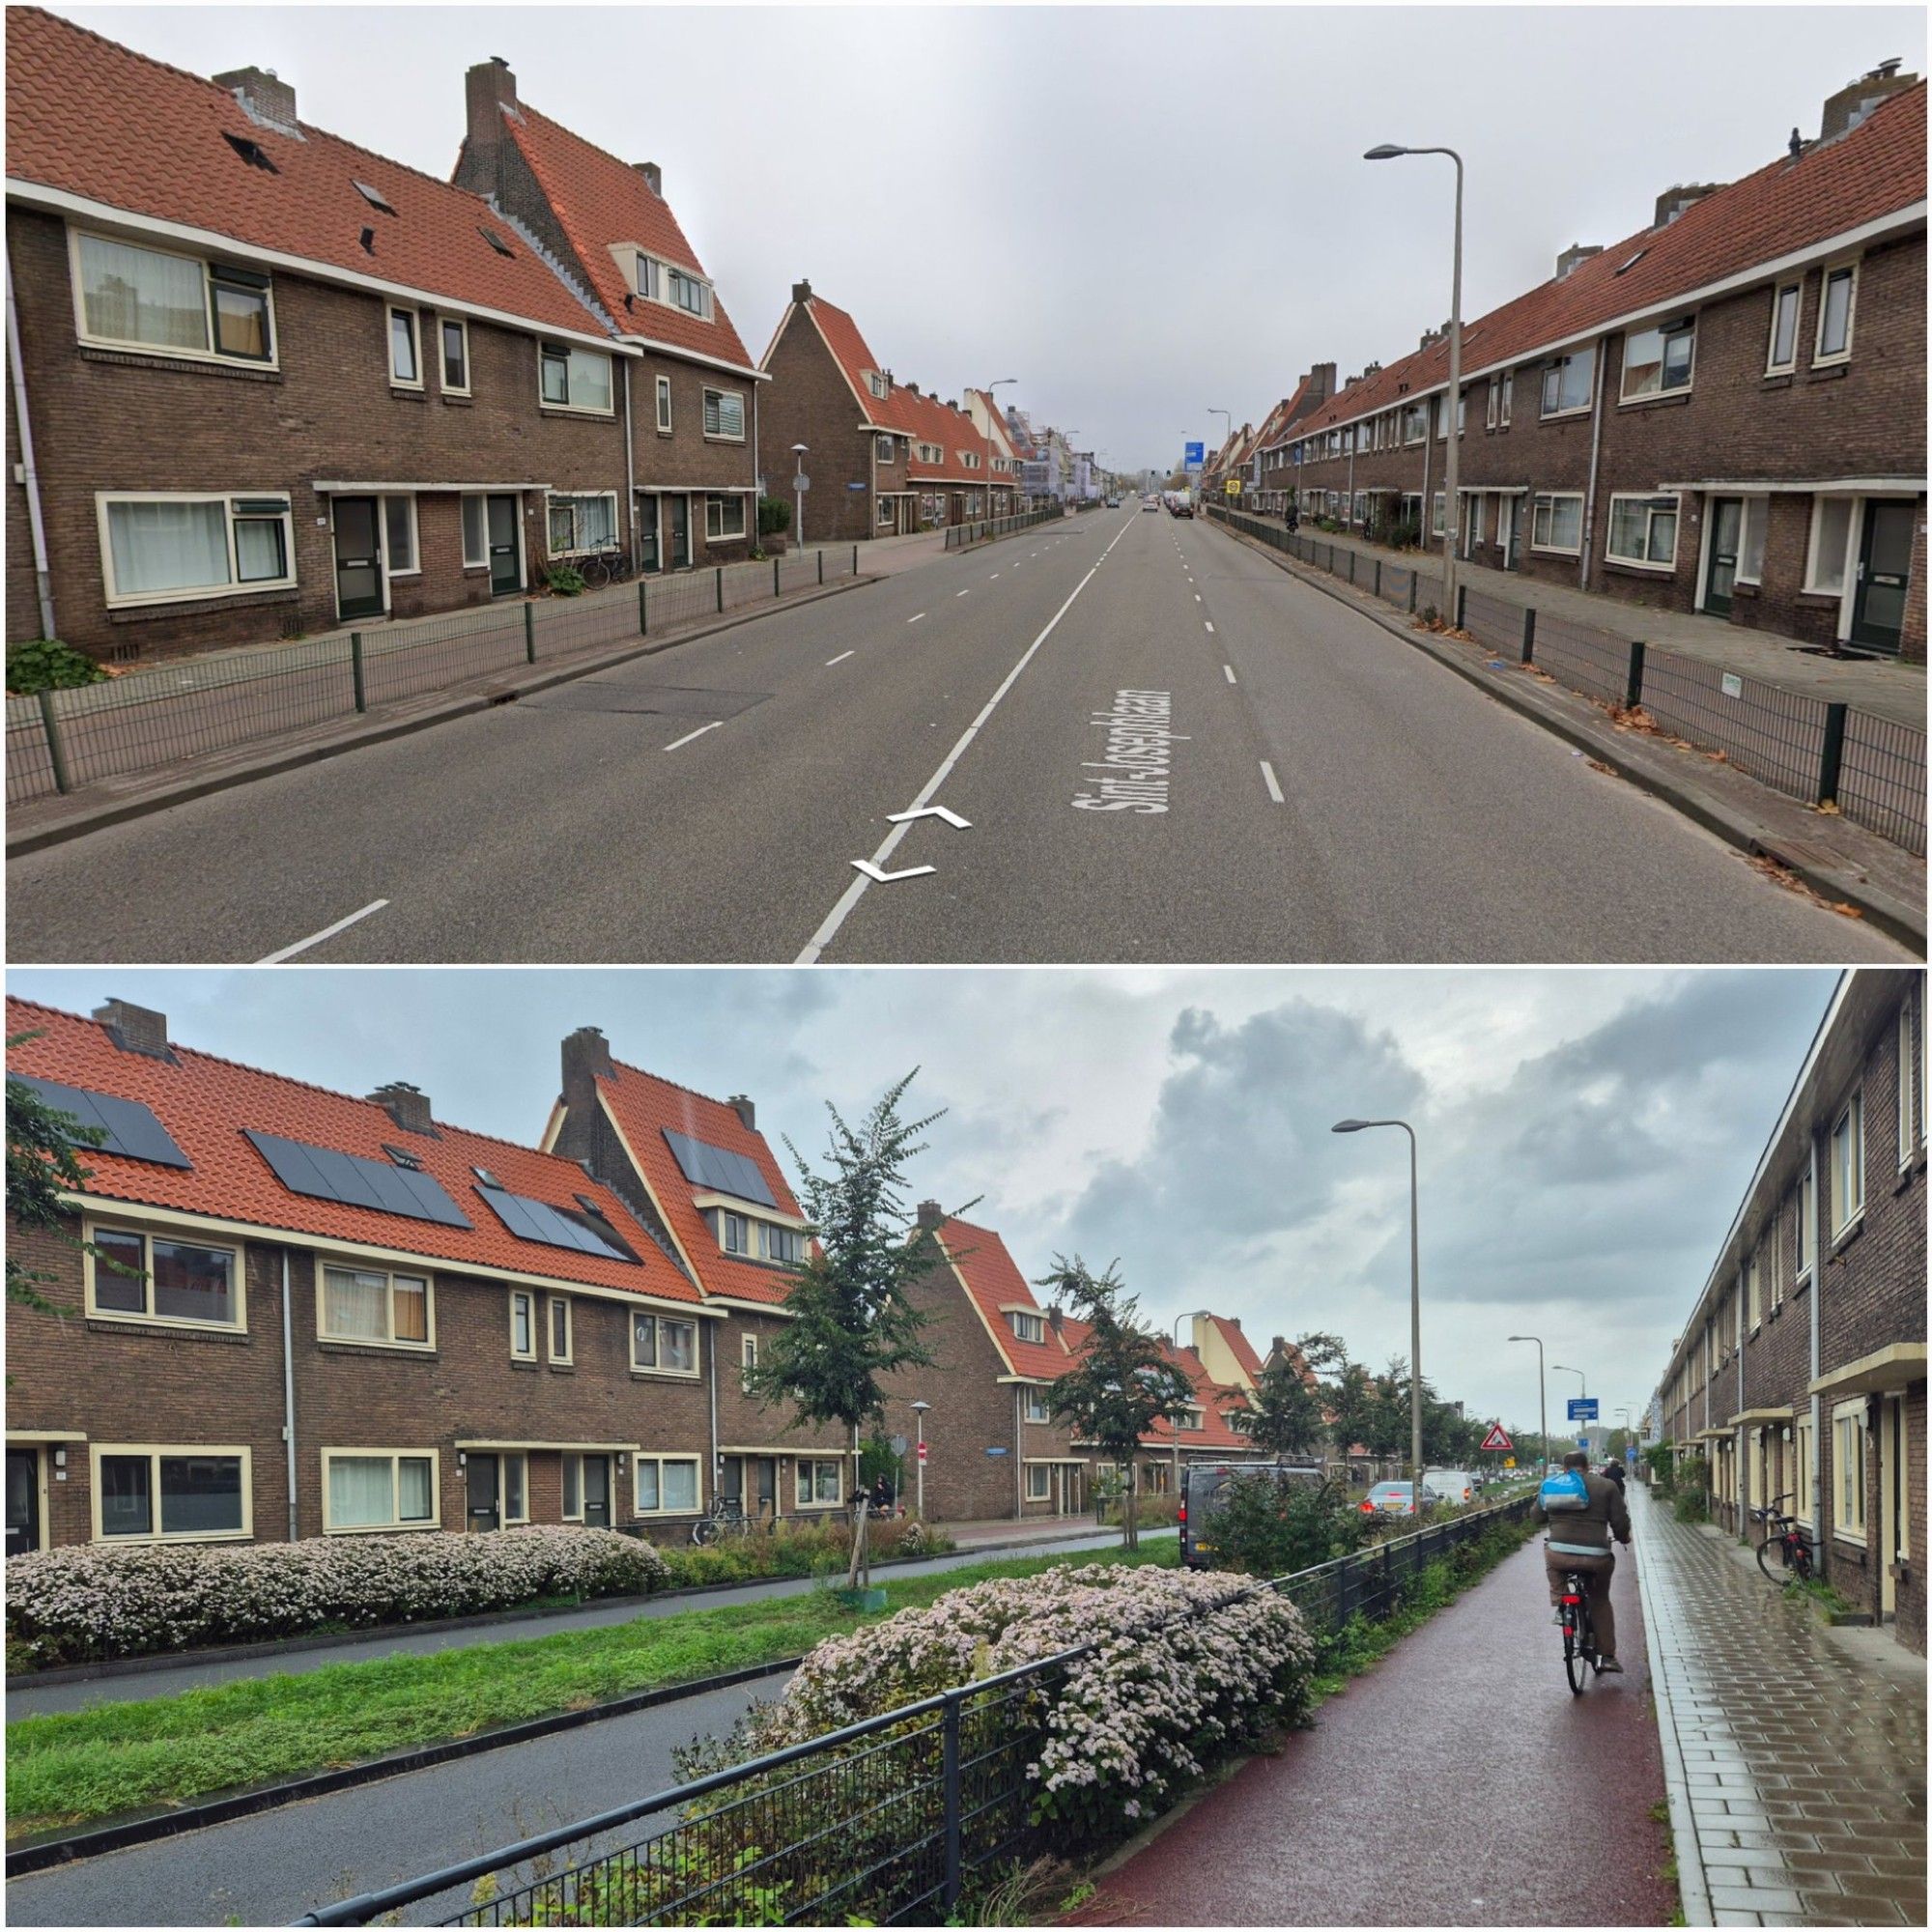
(1509, 1461)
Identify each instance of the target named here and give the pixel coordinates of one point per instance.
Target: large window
(165, 549)
(724, 517)
(145, 299)
(1848, 1470)
(364, 1305)
(734, 1234)
(581, 524)
(1657, 362)
(145, 1493)
(1781, 354)
(689, 294)
(1556, 522)
(1750, 539)
(154, 1279)
(779, 1245)
(820, 1481)
(1566, 383)
(888, 447)
(378, 1488)
(1036, 1405)
(1644, 532)
(1039, 1482)
(559, 1329)
(665, 1343)
(1831, 539)
(1836, 305)
(576, 379)
(1028, 1327)
(724, 414)
(1848, 1165)
(665, 1485)
(399, 530)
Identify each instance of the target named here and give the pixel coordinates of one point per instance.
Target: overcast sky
(1140, 213)
(1585, 1136)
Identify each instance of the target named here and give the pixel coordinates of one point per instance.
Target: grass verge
(76, 1767)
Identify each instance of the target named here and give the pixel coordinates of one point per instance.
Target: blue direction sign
(1583, 1408)
(1197, 455)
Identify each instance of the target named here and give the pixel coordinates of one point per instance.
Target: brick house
(1801, 1373)
(273, 382)
(308, 1314)
(1003, 493)
(1274, 446)
(700, 1175)
(1722, 413)
(993, 1449)
(691, 396)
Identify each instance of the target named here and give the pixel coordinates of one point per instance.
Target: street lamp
(1415, 1308)
(1583, 1383)
(919, 1409)
(1541, 1402)
(1387, 151)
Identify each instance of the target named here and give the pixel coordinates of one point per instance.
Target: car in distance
(1389, 1499)
(1151, 503)
(1449, 1486)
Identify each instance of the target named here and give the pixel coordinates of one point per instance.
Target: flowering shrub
(1187, 1668)
(67, 1605)
(799, 1548)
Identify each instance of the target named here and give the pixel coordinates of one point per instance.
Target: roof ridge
(678, 1086)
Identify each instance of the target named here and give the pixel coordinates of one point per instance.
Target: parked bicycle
(609, 564)
(1785, 1550)
(725, 1517)
(1580, 1656)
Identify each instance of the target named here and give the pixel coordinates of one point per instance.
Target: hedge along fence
(1871, 769)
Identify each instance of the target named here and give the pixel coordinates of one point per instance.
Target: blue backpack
(1566, 1490)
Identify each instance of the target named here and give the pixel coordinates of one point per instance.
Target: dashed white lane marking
(1197, 597)
(1230, 670)
(838, 660)
(316, 938)
(1211, 628)
(1273, 782)
(963, 593)
(994, 579)
(690, 735)
(914, 621)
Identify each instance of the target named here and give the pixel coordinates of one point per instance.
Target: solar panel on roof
(127, 1127)
(719, 1168)
(328, 1174)
(532, 1220)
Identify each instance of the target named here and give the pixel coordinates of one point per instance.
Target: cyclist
(1579, 1544)
(1614, 1470)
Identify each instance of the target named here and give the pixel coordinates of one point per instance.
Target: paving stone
(1754, 1898)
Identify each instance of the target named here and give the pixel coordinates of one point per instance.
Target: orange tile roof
(1875, 171)
(644, 1106)
(996, 1284)
(206, 1103)
(604, 203)
(1238, 1344)
(92, 118)
(1216, 1403)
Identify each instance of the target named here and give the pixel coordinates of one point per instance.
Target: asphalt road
(709, 803)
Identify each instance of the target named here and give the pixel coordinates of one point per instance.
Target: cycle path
(1456, 1784)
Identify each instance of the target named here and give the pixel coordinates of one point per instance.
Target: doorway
(359, 589)
(506, 567)
(23, 1500)
(1894, 1514)
(680, 533)
(485, 1492)
(651, 555)
(1885, 573)
(1506, 507)
(597, 1493)
(1727, 526)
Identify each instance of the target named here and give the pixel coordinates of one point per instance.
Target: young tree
(1284, 1416)
(852, 1323)
(1123, 1382)
(42, 1165)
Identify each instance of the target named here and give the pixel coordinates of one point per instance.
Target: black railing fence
(1872, 769)
(961, 536)
(881, 1820)
(64, 741)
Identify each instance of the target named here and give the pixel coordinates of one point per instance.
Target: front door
(506, 571)
(766, 1470)
(650, 556)
(23, 1500)
(485, 1492)
(597, 1493)
(1884, 571)
(358, 558)
(732, 1485)
(1506, 529)
(1727, 525)
(680, 533)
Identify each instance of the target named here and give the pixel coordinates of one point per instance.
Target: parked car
(1203, 1487)
(1389, 1499)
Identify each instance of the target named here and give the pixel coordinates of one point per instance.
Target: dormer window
(647, 277)
(689, 294)
(734, 1234)
(1028, 1327)
(875, 381)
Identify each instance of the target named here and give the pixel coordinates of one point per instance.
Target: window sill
(1661, 571)
(408, 392)
(524, 1362)
(199, 606)
(1777, 379)
(1848, 1233)
(690, 1375)
(561, 1368)
(458, 402)
(580, 415)
(135, 1324)
(1827, 371)
(188, 365)
(332, 1345)
(1669, 397)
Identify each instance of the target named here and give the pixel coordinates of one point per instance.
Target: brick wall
(810, 401)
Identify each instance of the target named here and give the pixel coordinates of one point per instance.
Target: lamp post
(1582, 1382)
(1541, 1402)
(1175, 1426)
(1451, 519)
(799, 451)
(919, 1409)
(1414, 1309)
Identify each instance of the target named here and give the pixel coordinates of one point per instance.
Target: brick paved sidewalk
(1803, 1748)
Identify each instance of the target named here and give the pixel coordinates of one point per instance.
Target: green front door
(1727, 523)
(358, 558)
(1885, 573)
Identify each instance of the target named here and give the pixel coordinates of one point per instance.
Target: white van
(1449, 1486)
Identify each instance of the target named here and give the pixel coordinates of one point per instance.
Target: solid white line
(1230, 670)
(1273, 782)
(914, 621)
(838, 660)
(327, 932)
(855, 890)
(690, 735)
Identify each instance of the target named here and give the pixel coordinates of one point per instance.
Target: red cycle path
(1456, 1784)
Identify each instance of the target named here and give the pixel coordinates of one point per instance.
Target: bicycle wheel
(1774, 1559)
(1801, 1561)
(1575, 1666)
(704, 1531)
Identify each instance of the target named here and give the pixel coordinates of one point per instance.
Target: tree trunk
(858, 1545)
(1131, 1517)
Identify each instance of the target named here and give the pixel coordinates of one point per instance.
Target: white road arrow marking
(871, 871)
(951, 818)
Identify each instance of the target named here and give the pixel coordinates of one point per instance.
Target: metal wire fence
(65, 741)
(882, 1821)
(1872, 769)
(962, 535)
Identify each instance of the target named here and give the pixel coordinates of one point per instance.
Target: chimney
(264, 98)
(488, 89)
(800, 292)
(1673, 200)
(931, 1216)
(745, 1111)
(1578, 252)
(407, 1106)
(1846, 109)
(653, 177)
(1280, 1347)
(136, 1028)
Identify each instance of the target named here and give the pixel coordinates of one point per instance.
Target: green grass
(74, 1767)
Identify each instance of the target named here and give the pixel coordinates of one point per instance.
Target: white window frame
(1509, 397)
(117, 598)
(391, 1277)
(721, 396)
(461, 325)
(1911, 1127)
(578, 547)
(570, 351)
(1813, 555)
(638, 1368)
(747, 1359)
(664, 406)
(648, 273)
(1852, 1116)
(713, 529)
(659, 1463)
(91, 1231)
(1796, 290)
(734, 1233)
(1662, 330)
(1755, 517)
(804, 1489)
(705, 309)
(1804, 1471)
(1553, 498)
(1655, 501)
(1022, 1321)
(1754, 1294)
(398, 1522)
(506, 1461)
(1038, 1408)
(392, 311)
(888, 447)
(1852, 1413)
(559, 1304)
(415, 539)
(573, 1477)
(1553, 367)
(154, 1452)
(82, 333)
(1042, 1474)
(526, 1298)
(1820, 357)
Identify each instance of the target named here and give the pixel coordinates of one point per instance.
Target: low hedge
(86, 1604)
(808, 1549)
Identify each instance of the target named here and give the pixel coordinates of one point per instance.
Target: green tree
(1123, 1383)
(852, 1323)
(1271, 1524)
(42, 1167)
(1283, 1415)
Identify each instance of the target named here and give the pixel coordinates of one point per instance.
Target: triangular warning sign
(1496, 1438)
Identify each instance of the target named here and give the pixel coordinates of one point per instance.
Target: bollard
(1379, 577)
(355, 669)
(1529, 634)
(643, 608)
(530, 633)
(1412, 593)
(1830, 755)
(57, 752)
(855, 560)
(821, 566)
(720, 586)
(1634, 681)
(1352, 569)
(775, 577)
(1462, 605)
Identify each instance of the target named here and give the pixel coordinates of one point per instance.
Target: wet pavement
(1799, 1751)
(1456, 1784)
